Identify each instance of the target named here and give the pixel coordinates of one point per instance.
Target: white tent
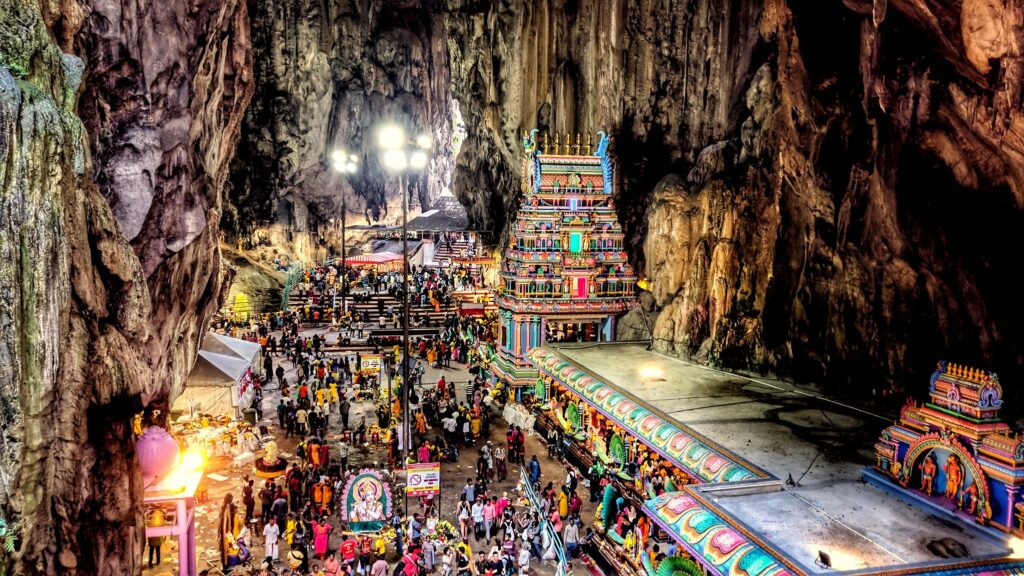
(218, 384)
(228, 346)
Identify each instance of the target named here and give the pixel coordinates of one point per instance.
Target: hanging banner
(423, 479)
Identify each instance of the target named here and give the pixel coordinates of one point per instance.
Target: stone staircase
(366, 305)
(444, 251)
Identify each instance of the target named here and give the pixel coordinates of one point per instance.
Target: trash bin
(249, 415)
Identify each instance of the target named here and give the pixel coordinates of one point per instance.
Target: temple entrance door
(579, 288)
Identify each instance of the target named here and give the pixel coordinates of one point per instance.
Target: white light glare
(395, 160)
(418, 159)
(423, 141)
(390, 137)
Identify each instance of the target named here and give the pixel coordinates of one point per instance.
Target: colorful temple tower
(565, 275)
(955, 453)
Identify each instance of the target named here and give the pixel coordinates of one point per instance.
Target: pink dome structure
(158, 452)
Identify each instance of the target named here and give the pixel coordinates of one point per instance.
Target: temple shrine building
(754, 477)
(565, 275)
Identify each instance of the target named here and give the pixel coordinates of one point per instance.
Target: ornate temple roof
(700, 458)
(764, 526)
(970, 392)
(566, 249)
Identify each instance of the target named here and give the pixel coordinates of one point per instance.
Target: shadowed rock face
(328, 74)
(109, 259)
(827, 190)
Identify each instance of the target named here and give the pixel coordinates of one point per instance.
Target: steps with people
(371, 305)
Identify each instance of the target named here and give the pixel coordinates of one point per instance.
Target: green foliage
(16, 69)
(8, 535)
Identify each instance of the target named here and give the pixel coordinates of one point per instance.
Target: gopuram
(565, 275)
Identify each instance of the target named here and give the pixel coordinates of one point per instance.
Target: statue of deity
(270, 452)
(928, 469)
(954, 476)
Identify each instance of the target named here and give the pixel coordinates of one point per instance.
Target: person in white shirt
(524, 561)
(478, 518)
(271, 533)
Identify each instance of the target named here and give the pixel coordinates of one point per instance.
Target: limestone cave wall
(117, 123)
(328, 73)
(830, 191)
(827, 190)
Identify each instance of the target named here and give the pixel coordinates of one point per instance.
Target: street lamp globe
(423, 141)
(395, 160)
(418, 159)
(390, 137)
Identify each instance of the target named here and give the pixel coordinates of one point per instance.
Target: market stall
(218, 385)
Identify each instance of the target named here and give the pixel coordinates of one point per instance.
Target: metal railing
(294, 275)
(555, 539)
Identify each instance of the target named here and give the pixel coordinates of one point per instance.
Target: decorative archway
(946, 441)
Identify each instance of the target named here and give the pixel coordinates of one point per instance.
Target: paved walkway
(223, 478)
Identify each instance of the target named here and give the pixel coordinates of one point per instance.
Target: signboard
(423, 479)
(371, 363)
(367, 502)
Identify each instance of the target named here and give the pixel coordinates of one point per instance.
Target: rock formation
(328, 74)
(827, 190)
(849, 172)
(110, 263)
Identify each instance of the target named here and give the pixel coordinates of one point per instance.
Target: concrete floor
(453, 475)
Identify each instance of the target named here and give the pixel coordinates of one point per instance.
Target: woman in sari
(321, 534)
(475, 421)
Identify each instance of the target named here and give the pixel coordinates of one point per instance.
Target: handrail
(295, 272)
(556, 539)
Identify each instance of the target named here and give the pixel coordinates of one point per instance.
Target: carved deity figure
(954, 476)
(969, 495)
(270, 454)
(928, 469)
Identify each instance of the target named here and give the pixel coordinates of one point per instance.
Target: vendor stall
(218, 384)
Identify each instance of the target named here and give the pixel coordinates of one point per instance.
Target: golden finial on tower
(557, 144)
(576, 147)
(544, 144)
(589, 146)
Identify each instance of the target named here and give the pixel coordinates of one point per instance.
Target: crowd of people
(295, 515)
(430, 288)
(298, 511)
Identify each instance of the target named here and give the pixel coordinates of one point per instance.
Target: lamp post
(344, 163)
(399, 155)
